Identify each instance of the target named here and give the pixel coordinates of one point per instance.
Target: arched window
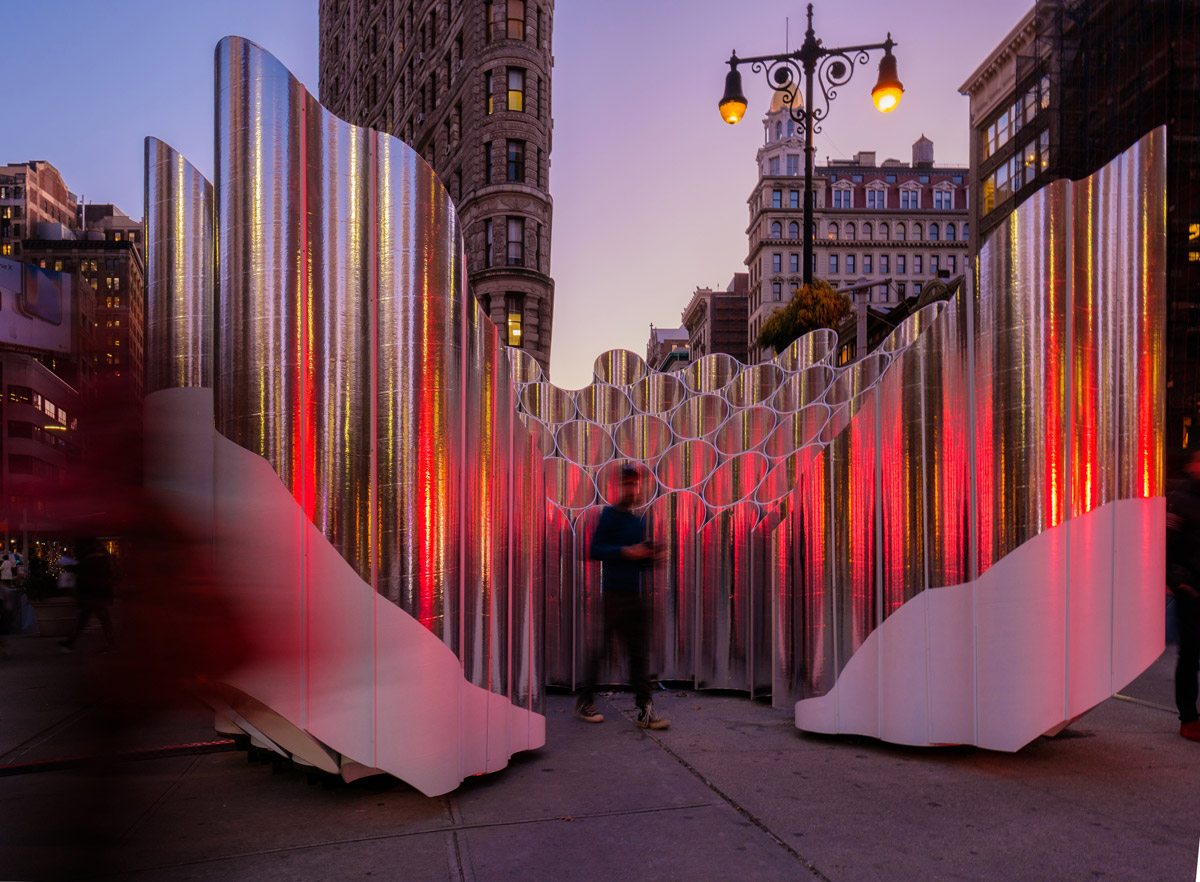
(851, 231)
(934, 232)
(868, 232)
(901, 232)
(833, 231)
(950, 232)
(791, 128)
(793, 230)
(919, 232)
(778, 130)
(776, 230)
(884, 232)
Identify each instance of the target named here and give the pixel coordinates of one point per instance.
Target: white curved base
(1050, 631)
(342, 675)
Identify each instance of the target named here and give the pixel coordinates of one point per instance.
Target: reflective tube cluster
(801, 505)
(348, 355)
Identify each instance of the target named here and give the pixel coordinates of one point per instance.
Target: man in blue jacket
(620, 543)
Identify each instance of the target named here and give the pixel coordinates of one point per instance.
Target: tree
(813, 306)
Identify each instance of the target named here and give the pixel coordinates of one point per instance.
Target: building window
(910, 199)
(833, 264)
(773, 165)
(950, 232)
(794, 263)
(516, 19)
(776, 263)
(885, 232)
(516, 88)
(833, 232)
(793, 164)
(776, 290)
(793, 199)
(918, 232)
(487, 162)
(516, 160)
(516, 241)
(867, 264)
(933, 264)
(489, 82)
(868, 232)
(515, 337)
(900, 265)
(917, 264)
(778, 130)
(916, 289)
(6, 249)
(851, 232)
(776, 230)
(793, 230)
(934, 232)
(777, 199)
(843, 198)
(883, 263)
(943, 199)
(953, 263)
(489, 239)
(875, 198)
(966, 234)
(849, 263)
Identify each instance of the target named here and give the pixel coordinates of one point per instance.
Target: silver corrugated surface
(350, 357)
(700, 416)
(1020, 376)
(560, 598)
(673, 521)
(686, 465)
(180, 285)
(726, 606)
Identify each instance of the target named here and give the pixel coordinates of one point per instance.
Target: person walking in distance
(1183, 578)
(620, 544)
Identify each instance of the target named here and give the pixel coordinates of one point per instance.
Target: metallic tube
(711, 373)
(548, 403)
(642, 437)
(686, 465)
(700, 416)
(813, 348)
(754, 385)
(658, 393)
(585, 443)
(180, 285)
(745, 430)
(726, 610)
(802, 389)
(735, 480)
(619, 367)
(602, 404)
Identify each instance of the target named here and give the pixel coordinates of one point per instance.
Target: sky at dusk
(649, 184)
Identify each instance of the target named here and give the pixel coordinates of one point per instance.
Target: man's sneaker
(588, 713)
(1191, 730)
(648, 719)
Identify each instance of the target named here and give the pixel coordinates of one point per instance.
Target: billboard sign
(35, 307)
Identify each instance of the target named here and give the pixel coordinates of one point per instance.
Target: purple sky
(649, 185)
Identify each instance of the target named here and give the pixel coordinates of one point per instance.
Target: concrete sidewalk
(731, 791)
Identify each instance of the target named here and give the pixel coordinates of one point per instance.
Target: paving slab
(731, 790)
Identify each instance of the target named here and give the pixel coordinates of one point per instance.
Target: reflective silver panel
(619, 367)
(180, 285)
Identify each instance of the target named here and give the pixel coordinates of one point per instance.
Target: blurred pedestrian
(1183, 579)
(94, 589)
(620, 543)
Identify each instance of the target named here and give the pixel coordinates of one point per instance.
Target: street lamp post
(831, 69)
